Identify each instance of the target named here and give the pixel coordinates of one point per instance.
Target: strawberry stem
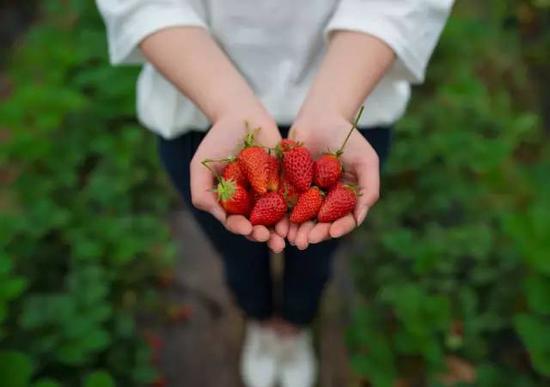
(250, 137)
(354, 126)
(205, 163)
(228, 159)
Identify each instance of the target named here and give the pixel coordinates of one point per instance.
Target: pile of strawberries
(264, 184)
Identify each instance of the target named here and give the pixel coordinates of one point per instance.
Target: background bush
(81, 228)
(453, 266)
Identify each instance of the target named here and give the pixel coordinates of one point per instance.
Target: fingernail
(362, 215)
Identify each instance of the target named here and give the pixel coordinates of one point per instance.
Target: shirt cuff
(124, 48)
(352, 17)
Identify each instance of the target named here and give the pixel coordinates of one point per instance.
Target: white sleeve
(128, 22)
(410, 27)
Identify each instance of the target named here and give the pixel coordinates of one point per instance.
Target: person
(294, 68)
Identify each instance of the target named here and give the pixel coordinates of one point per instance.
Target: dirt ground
(204, 351)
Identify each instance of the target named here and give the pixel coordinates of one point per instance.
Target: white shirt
(277, 46)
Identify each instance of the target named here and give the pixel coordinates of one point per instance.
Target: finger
(342, 226)
(281, 228)
(238, 224)
(260, 233)
(276, 243)
(319, 233)
(291, 237)
(202, 181)
(302, 240)
(368, 178)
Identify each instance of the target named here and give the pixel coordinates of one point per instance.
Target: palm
(360, 164)
(224, 139)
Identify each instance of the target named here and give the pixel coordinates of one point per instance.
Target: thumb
(368, 178)
(202, 197)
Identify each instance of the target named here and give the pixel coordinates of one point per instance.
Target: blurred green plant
(458, 249)
(81, 207)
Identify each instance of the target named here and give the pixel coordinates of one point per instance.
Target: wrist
(311, 118)
(252, 113)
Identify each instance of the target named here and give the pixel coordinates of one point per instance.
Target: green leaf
(535, 334)
(537, 289)
(15, 369)
(11, 288)
(99, 379)
(46, 383)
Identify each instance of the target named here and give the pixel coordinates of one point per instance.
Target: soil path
(204, 351)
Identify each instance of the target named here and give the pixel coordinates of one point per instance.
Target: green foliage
(99, 379)
(15, 369)
(81, 206)
(458, 247)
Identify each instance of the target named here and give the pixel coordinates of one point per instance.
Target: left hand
(326, 132)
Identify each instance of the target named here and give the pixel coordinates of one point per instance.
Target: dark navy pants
(246, 263)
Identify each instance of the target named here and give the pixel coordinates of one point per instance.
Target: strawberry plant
(456, 262)
(82, 202)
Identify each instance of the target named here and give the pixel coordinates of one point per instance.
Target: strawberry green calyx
(228, 159)
(285, 145)
(352, 187)
(250, 137)
(226, 189)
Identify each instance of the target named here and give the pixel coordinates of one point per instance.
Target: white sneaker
(259, 356)
(297, 365)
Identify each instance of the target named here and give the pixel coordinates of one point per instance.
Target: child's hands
(221, 141)
(326, 132)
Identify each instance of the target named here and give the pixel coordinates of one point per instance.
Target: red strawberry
(298, 167)
(340, 201)
(255, 196)
(254, 162)
(273, 176)
(233, 171)
(233, 197)
(268, 210)
(286, 144)
(155, 344)
(290, 194)
(328, 169)
(308, 206)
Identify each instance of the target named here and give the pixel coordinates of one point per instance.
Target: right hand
(222, 140)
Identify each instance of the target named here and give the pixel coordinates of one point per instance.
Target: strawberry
(289, 192)
(308, 206)
(233, 197)
(340, 201)
(255, 196)
(233, 171)
(298, 167)
(155, 344)
(268, 210)
(286, 144)
(254, 162)
(328, 169)
(273, 176)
